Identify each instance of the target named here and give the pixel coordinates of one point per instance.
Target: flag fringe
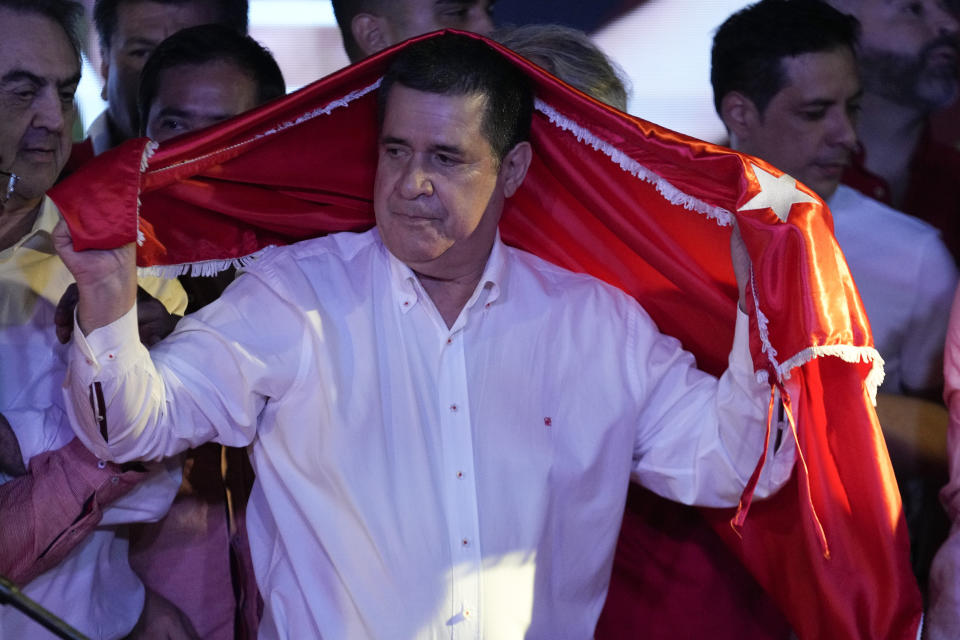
(205, 268)
(310, 115)
(148, 151)
(670, 192)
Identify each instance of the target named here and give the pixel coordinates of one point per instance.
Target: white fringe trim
(846, 352)
(310, 115)
(672, 194)
(203, 268)
(148, 152)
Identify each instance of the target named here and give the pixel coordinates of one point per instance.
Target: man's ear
(370, 33)
(513, 168)
(104, 71)
(739, 115)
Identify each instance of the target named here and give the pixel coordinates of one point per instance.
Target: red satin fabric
(256, 180)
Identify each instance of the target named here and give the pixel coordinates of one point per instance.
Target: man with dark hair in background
(415, 396)
(201, 76)
(369, 26)
(786, 86)
(61, 516)
(129, 30)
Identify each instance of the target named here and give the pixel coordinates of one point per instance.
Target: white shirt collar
(408, 290)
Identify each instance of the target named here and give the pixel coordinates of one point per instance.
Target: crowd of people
(335, 440)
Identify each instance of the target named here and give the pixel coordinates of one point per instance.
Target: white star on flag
(779, 194)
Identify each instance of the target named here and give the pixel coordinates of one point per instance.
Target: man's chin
(938, 90)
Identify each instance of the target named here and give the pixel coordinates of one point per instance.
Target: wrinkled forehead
(36, 44)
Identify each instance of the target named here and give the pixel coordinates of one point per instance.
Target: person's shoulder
(850, 206)
(343, 247)
(559, 283)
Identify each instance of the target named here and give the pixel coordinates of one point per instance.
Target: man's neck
(16, 220)
(890, 132)
(116, 136)
(450, 295)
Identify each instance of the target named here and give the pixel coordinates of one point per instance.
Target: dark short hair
(452, 64)
(66, 13)
(233, 14)
(749, 47)
(344, 11)
(570, 55)
(209, 43)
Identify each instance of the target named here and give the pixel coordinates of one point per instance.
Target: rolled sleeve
(700, 439)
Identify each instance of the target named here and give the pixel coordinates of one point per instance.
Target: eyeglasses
(8, 182)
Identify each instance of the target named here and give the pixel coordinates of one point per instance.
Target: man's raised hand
(106, 279)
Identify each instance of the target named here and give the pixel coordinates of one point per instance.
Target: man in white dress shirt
(442, 427)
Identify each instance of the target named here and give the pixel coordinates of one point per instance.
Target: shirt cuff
(101, 352)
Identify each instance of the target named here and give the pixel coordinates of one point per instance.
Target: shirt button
(449, 340)
(114, 480)
(453, 408)
(459, 474)
(101, 464)
(467, 613)
(89, 361)
(465, 542)
(110, 356)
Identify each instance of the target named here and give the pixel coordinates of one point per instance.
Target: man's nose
(482, 24)
(844, 131)
(415, 181)
(50, 112)
(943, 21)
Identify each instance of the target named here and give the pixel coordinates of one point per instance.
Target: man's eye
(139, 54)
(913, 8)
(813, 115)
(445, 160)
(457, 15)
(172, 124)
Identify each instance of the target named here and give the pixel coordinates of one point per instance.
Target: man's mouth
(415, 216)
(40, 152)
(833, 165)
(942, 54)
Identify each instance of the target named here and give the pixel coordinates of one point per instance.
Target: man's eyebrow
(74, 79)
(138, 41)
(175, 112)
(19, 75)
(446, 148)
(393, 140)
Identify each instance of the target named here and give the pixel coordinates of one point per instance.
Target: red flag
(643, 208)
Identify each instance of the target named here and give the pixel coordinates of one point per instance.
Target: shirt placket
(461, 489)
